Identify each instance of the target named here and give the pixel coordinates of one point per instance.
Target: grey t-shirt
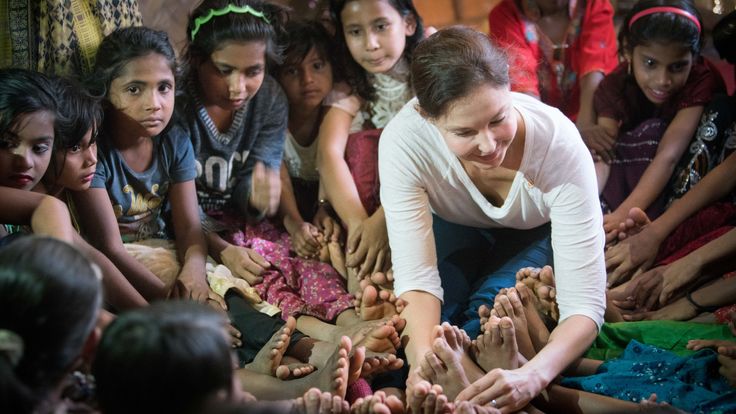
(225, 161)
(139, 198)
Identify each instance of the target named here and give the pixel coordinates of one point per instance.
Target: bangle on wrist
(699, 308)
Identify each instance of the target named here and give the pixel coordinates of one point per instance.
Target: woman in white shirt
(484, 166)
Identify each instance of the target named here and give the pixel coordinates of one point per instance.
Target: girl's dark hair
(233, 26)
(356, 76)
(301, 37)
(119, 48)
(78, 113)
(169, 357)
(49, 298)
(724, 34)
(661, 27)
(23, 92)
(451, 63)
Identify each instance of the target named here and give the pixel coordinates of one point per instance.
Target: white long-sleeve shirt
(556, 182)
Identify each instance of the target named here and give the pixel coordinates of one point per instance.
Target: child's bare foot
(509, 304)
(428, 399)
(379, 363)
(383, 280)
(444, 365)
(333, 375)
(541, 282)
(497, 347)
(536, 322)
(376, 336)
(373, 303)
(378, 403)
(635, 222)
(315, 401)
(357, 360)
(268, 359)
(484, 312)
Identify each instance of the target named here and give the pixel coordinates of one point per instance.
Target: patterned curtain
(60, 36)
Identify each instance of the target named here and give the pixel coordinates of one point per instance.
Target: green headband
(231, 8)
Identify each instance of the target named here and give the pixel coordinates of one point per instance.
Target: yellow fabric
(88, 31)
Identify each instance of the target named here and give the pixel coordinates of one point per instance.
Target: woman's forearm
(567, 343)
(422, 313)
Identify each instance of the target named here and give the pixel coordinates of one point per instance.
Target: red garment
(592, 47)
(619, 97)
(361, 155)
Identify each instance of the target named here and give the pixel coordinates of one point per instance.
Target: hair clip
(231, 8)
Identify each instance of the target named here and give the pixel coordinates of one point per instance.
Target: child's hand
(330, 228)
(680, 310)
(265, 190)
(304, 239)
(191, 284)
(635, 253)
(599, 142)
(368, 246)
(678, 275)
(645, 289)
(244, 263)
(698, 344)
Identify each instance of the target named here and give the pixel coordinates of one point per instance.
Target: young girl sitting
(376, 39)
(70, 117)
(237, 116)
(146, 167)
(50, 297)
(651, 104)
(306, 77)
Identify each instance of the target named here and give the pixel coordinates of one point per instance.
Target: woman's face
(661, 70)
(306, 84)
(144, 94)
(233, 74)
(480, 127)
(25, 152)
(77, 164)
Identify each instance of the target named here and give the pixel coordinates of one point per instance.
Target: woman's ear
(410, 24)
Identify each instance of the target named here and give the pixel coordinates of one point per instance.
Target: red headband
(664, 9)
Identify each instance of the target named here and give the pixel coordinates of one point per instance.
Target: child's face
(144, 93)
(77, 164)
(661, 70)
(233, 74)
(26, 151)
(479, 128)
(307, 83)
(375, 33)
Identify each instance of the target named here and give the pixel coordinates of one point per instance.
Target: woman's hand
(244, 263)
(303, 237)
(265, 190)
(191, 284)
(680, 310)
(511, 390)
(644, 290)
(368, 245)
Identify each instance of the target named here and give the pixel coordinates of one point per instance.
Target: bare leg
(378, 336)
(602, 171)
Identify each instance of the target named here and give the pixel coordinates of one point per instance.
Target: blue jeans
(474, 264)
